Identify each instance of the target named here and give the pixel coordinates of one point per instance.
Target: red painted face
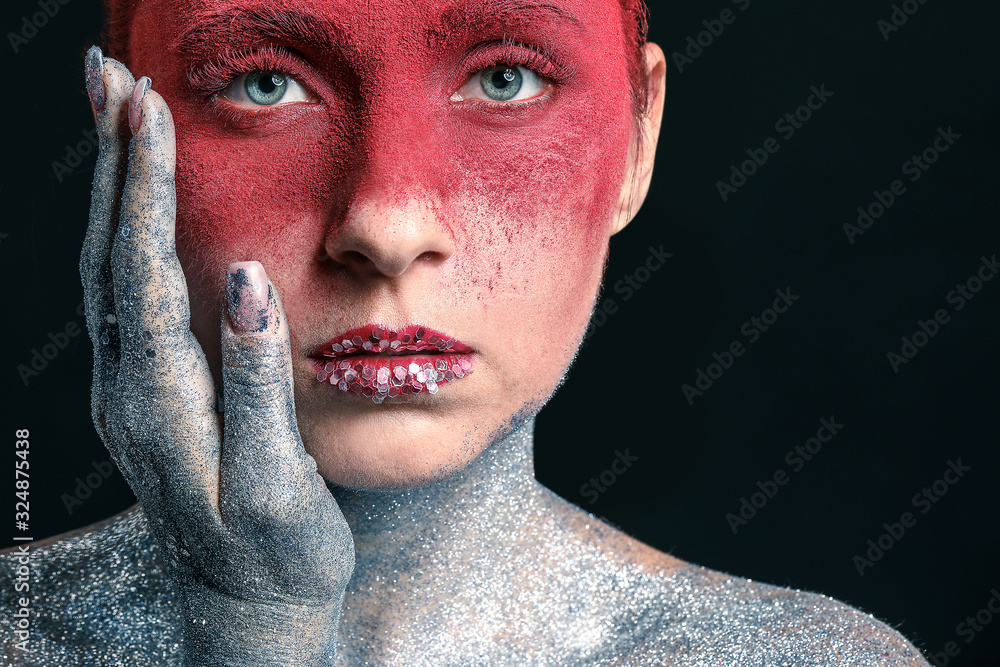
(455, 165)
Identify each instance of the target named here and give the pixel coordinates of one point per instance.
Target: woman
(411, 205)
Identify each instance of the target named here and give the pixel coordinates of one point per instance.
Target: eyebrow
(472, 16)
(256, 22)
(253, 24)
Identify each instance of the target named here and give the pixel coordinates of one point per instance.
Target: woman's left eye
(266, 88)
(502, 83)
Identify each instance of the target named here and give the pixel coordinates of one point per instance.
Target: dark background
(825, 357)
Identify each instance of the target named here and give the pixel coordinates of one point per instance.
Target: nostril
(352, 258)
(354, 261)
(433, 257)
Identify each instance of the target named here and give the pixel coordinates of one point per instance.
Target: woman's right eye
(266, 88)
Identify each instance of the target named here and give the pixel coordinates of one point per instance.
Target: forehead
(342, 24)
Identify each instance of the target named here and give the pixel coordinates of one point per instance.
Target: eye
(266, 88)
(502, 83)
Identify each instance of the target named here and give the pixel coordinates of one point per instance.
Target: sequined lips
(381, 363)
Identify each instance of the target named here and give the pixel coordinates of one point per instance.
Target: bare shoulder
(696, 616)
(717, 617)
(97, 596)
(121, 541)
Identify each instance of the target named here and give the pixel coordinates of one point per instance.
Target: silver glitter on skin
(240, 556)
(484, 568)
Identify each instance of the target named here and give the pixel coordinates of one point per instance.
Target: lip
(379, 362)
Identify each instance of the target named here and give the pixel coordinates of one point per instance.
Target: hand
(251, 536)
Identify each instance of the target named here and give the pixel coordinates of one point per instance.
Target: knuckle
(161, 206)
(256, 366)
(124, 255)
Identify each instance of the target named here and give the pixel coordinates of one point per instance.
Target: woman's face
(383, 183)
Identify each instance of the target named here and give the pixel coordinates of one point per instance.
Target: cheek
(251, 195)
(536, 231)
(549, 191)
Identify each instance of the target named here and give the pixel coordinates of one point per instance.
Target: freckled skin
(385, 202)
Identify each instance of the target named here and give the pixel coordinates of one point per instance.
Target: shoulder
(679, 613)
(95, 596)
(714, 616)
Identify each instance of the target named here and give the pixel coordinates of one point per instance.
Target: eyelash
(213, 77)
(542, 61)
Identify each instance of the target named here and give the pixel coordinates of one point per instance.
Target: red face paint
(393, 196)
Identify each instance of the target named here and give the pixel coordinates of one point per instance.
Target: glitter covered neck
(497, 478)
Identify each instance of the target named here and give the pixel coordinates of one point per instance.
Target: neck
(473, 511)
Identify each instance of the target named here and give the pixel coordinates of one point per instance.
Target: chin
(390, 447)
(398, 445)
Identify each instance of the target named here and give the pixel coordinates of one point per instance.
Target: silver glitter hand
(256, 545)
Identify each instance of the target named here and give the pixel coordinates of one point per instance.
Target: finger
(151, 297)
(109, 84)
(261, 431)
(164, 413)
(265, 474)
(150, 289)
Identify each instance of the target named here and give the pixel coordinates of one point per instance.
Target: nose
(387, 236)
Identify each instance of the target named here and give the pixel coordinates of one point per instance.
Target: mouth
(380, 363)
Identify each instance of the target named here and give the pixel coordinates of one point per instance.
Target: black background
(825, 357)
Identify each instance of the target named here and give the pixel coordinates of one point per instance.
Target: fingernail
(250, 303)
(135, 104)
(95, 78)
